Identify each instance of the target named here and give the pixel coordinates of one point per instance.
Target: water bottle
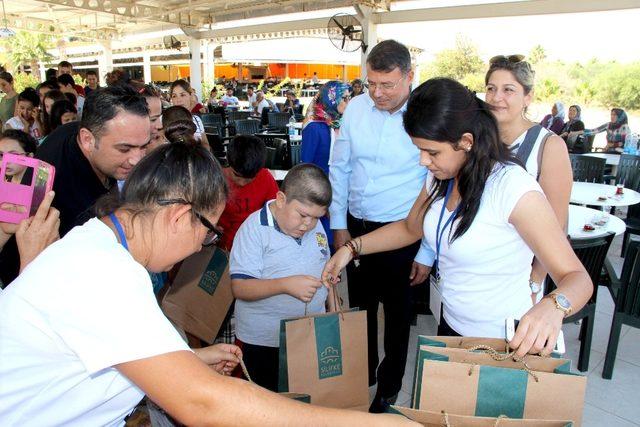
(631, 144)
(292, 126)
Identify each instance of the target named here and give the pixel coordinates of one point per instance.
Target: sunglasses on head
(512, 59)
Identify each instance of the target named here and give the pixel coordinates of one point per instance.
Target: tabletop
(590, 193)
(601, 221)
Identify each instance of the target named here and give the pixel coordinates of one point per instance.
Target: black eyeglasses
(512, 59)
(213, 235)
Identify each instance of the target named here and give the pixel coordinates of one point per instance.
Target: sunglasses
(511, 59)
(213, 235)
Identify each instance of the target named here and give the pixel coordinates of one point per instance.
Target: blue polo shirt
(262, 251)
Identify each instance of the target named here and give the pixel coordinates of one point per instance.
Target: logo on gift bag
(321, 240)
(328, 346)
(213, 274)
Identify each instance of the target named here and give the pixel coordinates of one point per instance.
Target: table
(612, 160)
(587, 193)
(278, 174)
(581, 215)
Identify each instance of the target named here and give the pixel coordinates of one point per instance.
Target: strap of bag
(525, 148)
(540, 153)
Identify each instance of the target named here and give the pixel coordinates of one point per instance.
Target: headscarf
(578, 114)
(559, 114)
(621, 119)
(325, 107)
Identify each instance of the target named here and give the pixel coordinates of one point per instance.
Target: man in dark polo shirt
(91, 155)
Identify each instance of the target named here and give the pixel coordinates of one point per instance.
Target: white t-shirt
(230, 100)
(485, 272)
(252, 98)
(262, 105)
(16, 123)
(81, 307)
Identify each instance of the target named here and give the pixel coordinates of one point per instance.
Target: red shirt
(196, 109)
(243, 201)
(79, 89)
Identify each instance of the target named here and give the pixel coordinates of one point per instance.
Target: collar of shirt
(372, 104)
(267, 219)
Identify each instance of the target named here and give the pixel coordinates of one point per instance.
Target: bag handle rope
(447, 423)
(500, 357)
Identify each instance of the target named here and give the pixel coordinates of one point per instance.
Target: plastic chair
(626, 294)
(592, 253)
(212, 119)
(269, 138)
(583, 144)
(587, 168)
(270, 158)
(279, 121)
(247, 127)
(238, 115)
(295, 152)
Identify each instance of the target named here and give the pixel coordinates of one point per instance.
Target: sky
(569, 37)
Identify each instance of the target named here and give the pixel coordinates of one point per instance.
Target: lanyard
(439, 234)
(116, 223)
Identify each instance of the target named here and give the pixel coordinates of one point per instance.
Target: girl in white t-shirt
(83, 338)
(486, 217)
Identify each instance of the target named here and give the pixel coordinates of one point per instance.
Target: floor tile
(619, 395)
(596, 417)
(629, 345)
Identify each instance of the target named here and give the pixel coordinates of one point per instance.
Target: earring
(467, 149)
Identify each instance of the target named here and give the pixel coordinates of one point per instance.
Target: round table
(581, 215)
(587, 193)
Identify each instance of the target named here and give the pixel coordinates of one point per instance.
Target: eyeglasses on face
(213, 235)
(512, 59)
(385, 87)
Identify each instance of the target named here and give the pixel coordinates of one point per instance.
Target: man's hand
(419, 273)
(340, 237)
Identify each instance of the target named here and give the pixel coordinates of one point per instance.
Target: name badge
(435, 298)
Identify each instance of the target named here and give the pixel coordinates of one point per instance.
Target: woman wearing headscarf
(320, 129)
(617, 131)
(573, 124)
(554, 121)
(323, 123)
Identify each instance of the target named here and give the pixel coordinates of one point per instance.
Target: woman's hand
(538, 329)
(222, 358)
(333, 267)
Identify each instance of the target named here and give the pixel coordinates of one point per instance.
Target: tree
(28, 49)
(537, 54)
(458, 62)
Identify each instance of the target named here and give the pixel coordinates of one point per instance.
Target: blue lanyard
(439, 234)
(116, 223)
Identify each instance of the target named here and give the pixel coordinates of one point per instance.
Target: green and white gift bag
(463, 382)
(325, 356)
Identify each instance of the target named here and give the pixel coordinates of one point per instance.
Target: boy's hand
(302, 287)
(223, 358)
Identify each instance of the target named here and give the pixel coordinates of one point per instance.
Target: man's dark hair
(66, 80)
(51, 74)
(6, 76)
(307, 183)
(246, 155)
(92, 73)
(30, 95)
(26, 141)
(50, 84)
(66, 64)
(105, 103)
(389, 54)
(71, 97)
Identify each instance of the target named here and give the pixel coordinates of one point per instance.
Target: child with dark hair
(62, 112)
(267, 285)
(26, 114)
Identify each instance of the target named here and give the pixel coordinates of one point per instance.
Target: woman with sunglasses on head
(509, 91)
(83, 338)
(486, 217)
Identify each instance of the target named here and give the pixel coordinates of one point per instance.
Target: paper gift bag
(325, 356)
(439, 419)
(462, 382)
(200, 296)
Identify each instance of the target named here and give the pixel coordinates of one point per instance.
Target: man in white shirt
(376, 177)
(261, 103)
(229, 99)
(251, 96)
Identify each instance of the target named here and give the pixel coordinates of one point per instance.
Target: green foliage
(77, 78)
(537, 55)
(474, 82)
(455, 63)
(21, 81)
(620, 86)
(27, 49)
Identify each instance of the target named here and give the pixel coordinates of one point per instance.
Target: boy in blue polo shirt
(276, 262)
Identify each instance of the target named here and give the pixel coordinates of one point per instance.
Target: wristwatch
(562, 302)
(535, 286)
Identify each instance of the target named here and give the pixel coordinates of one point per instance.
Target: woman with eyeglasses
(509, 92)
(486, 218)
(83, 338)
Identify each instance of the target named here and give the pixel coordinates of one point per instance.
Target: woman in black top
(573, 124)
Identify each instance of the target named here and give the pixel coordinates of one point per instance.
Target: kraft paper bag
(200, 296)
(439, 419)
(325, 356)
(461, 382)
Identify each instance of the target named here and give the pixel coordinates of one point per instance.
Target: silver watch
(535, 286)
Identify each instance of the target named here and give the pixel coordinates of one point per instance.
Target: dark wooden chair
(246, 127)
(593, 254)
(625, 291)
(587, 168)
